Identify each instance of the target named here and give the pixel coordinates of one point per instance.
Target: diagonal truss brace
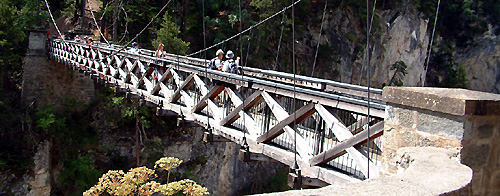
(326, 156)
(342, 133)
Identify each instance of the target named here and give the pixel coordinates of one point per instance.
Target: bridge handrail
(284, 75)
(379, 106)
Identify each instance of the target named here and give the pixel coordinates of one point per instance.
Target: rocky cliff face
(35, 183)
(482, 64)
(406, 40)
(215, 166)
(223, 173)
(396, 36)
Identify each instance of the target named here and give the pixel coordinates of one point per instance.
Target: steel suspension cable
(93, 17)
(319, 38)
(54, 21)
(177, 52)
(368, 27)
(245, 144)
(369, 32)
(137, 35)
(248, 48)
(105, 8)
(205, 54)
(432, 40)
(296, 165)
(248, 29)
(126, 24)
(279, 44)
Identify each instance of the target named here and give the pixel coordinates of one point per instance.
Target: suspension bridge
(328, 129)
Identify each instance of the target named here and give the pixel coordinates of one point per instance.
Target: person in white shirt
(218, 59)
(231, 65)
(135, 48)
(160, 53)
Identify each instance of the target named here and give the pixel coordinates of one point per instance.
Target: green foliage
(351, 37)
(462, 20)
(168, 35)
(80, 173)
(278, 182)
(443, 72)
(400, 72)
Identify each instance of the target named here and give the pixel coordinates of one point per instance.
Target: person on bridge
(160, 53)
(135, 48)
(230, 65)
(216, 63)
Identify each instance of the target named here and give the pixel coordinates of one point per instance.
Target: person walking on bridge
(216, 63)
(135, 48)
(230, 65)
(160, 53)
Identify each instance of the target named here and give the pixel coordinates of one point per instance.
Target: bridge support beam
(210, 138)
(297, 182)
(247, 156)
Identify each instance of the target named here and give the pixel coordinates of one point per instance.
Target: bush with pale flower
(137, 182)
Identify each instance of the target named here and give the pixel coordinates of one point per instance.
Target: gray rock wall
(222, 173)
(399, 36)
(482, 64)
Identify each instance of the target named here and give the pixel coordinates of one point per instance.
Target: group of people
(229, 65)
(85, 40)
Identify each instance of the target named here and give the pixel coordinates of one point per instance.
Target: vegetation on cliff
(144, 181)
(75, 138)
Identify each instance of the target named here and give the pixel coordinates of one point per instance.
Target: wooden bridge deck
(331, 117)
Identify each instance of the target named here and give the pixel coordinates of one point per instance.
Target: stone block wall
(461, 120)
(47, 82)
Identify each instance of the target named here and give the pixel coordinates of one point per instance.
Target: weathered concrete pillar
(468, 121)
(40, 185)
(48, 83)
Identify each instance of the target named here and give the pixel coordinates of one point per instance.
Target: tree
(169, 36)
(137, 181)
(399, 73)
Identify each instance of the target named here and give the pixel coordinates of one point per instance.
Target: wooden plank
(297, 116)
(279, 112)
(306, 181)
(253, 99)
(234, 96)
(176, 77)
(162, 112)
(188, 100)
(324, 157)
(202, 87)
(165, 77)
(214, 91)
(248, 121)
(216, 111)
(214, 138)
(247, 156)
(186, 84)
(342, 133)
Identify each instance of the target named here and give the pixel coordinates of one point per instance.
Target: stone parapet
(458, 102)
(424, 171)
(446, 118)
